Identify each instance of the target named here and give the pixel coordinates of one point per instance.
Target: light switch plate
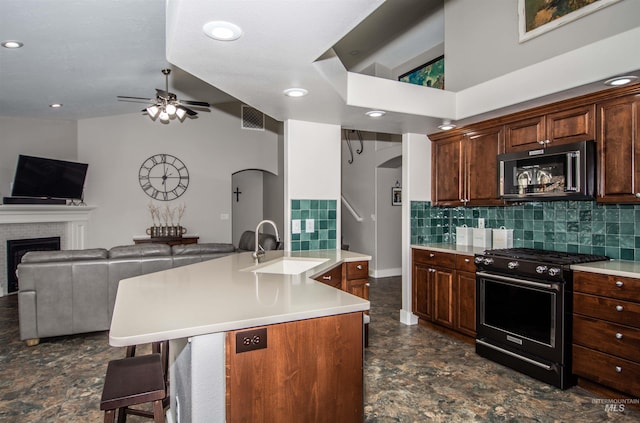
(295, 226)
(309, 226)
(481, 222)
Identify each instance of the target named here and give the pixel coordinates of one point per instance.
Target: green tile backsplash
(572, 226)
(323, 212)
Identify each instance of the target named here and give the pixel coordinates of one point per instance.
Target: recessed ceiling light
(222, 30)
(446, 125)
(295, 92)
(55, 105)
(620, 80)
(11, 44)
(375, 113)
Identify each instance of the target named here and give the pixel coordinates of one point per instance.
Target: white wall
(213, 147)
(388, 224)
(56, 139)
(247, 206)
(312, 168)
(482, 40)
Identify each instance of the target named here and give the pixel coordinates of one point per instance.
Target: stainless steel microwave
(562, 172)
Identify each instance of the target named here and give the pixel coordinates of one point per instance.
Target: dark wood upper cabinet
(619, 150)
(572, 125)
(465, 168)
(526, 134)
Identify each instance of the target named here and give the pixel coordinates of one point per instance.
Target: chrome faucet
(259, 251)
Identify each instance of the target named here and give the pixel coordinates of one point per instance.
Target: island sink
(286, 265)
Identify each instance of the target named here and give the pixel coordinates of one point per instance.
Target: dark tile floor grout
(412, 374)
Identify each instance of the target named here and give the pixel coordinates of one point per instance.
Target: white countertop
(630, 269)
(451, 248)
(217, 296)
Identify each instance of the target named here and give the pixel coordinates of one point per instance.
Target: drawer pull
(619, 335)
(432, 255)
(326, 278)
(619, 284)
(467, 260)
(367, 284)
(618, 369)
(619, 308)
(359, 267)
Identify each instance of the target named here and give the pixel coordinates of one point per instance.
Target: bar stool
(132, 381)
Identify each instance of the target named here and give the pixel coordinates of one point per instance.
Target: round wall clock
(163, 177)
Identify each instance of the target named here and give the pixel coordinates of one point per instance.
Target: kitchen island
(306, 361)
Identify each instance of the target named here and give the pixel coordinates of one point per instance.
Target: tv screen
(48, 178)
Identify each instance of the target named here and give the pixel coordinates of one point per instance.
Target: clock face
(163, 177)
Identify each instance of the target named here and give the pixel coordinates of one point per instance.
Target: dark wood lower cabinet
(441, 294)
(301, 376)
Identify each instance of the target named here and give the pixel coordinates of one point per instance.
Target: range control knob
(513, 265)
(478, 259)
(554, 271)
(541, 269)
(488, 261)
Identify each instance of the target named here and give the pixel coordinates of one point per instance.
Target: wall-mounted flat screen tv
(48, 178)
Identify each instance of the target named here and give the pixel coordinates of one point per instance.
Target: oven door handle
(512, 354)
(519, 281)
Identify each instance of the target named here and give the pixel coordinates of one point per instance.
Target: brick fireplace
(18, 222)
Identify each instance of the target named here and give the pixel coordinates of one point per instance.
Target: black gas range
(523, 310)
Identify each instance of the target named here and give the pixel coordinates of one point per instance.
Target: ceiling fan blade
(188, 110)
(124, 97)
(196, 103)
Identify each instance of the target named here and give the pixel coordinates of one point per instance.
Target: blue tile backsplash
(324, 214)
(571, 226)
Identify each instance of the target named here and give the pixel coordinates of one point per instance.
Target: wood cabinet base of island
(308, 371)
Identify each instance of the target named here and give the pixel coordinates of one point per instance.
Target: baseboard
(386, 273)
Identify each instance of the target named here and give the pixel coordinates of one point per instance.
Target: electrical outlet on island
(481, 222)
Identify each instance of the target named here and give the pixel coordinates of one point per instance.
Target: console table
(169, 240)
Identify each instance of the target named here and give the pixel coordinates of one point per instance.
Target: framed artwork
(396, 196)
(430, 74)
(535, 17)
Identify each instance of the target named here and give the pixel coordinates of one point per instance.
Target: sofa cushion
(64, 255)
(139, 251)
(206, 248)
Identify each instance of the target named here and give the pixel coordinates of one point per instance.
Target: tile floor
(412, 374)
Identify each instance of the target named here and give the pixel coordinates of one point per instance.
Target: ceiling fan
(166, 105)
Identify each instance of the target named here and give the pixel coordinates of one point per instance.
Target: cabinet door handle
(467, 260)
(618, 369)
(432, 255)
(326, 278)
(367, 284)
(619, 284)
(359, 267)
(637, 194)
(619, 308)
(619, 335)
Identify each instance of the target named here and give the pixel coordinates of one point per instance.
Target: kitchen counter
(623, 268)
(451, 248)
(219, 296)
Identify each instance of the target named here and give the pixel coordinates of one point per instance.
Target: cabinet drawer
(465, 263)
(607, 285)
(616, 311)
(619, 340)
(357, 270)
(333, 277)
(614, 372)
(435, 258)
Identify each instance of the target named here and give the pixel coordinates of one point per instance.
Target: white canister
(464, 235)
(482, 237)
(503, 238)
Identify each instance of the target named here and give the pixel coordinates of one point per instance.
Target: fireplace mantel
(75, 217)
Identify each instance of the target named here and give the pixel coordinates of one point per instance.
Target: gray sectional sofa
(74, 291)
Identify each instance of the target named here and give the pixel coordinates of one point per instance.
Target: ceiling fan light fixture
(222, 30)
(171, 109)
(164, 116)
(153, 111)
(181, 114)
